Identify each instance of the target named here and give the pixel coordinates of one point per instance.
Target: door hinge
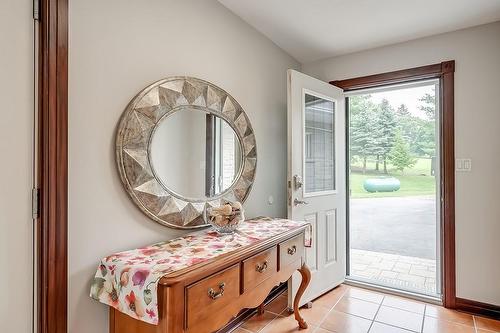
(35, 203)
(36, 10)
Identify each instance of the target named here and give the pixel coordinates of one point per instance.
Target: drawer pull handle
(261, 267)
(216, 294)
(291, 250)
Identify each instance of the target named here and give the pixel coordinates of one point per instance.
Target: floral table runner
(128, 281)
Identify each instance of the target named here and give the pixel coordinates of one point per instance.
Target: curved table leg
(306, 278)
(260, 309)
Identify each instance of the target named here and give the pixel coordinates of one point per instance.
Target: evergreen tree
(407, 124)
(412, 129)
(400, 154)
(403, 112)
(429, 104)
(427, 137)
(362, 141)
(385, 129)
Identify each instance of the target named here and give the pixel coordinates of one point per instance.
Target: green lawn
(415, 181)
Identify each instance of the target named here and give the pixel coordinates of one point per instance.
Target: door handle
(297, 202)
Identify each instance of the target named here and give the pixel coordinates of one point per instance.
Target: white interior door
(316, 178)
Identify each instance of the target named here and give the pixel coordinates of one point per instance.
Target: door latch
(35, 203)
(297, 182)
(36, 10)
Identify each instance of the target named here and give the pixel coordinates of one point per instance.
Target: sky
(407, 96)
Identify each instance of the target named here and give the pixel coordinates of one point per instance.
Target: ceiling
(310, 30)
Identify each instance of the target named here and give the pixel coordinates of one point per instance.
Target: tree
(414, 130)
(427, 134)
(426, 139)
(403, 112)
(408, 125)
(400, 154)
(429, 104)
(362, 121)
(385, 130)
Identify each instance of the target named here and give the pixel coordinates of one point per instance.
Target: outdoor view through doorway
(393, 185)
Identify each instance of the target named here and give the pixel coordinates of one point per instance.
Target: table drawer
(205, 297)
(259, 267)
(291, 250)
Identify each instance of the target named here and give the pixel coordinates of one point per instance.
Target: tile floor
(410, 273)
(353, 310)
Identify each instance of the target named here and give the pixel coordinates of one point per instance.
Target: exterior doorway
(444, 169)
(393, 202)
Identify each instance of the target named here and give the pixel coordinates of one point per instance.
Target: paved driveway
(404, 226)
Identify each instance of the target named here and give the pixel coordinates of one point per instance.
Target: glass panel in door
(319, 145)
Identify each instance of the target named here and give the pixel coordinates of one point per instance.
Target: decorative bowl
(225, 219)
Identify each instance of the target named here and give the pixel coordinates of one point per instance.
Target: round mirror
(184, 145)
(195, 153)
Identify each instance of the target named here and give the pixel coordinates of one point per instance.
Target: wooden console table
(204, 297)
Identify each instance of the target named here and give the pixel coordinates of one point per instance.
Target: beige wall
(116, 49)
(477, 124)
(16, 128)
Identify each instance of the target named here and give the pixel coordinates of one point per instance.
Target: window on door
(393, 186)
(319, 146)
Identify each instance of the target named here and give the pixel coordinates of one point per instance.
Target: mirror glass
(195, 154)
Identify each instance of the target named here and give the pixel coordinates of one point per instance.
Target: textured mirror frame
(133, 139)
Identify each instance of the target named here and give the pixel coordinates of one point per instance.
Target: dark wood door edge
(247, 313)
(448, 187)
(443, 71)
(478, 308)
(52, 161)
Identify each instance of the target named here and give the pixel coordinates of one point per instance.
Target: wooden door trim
(443, 71)
(52, 163)
(478, 308)
(395, 77)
